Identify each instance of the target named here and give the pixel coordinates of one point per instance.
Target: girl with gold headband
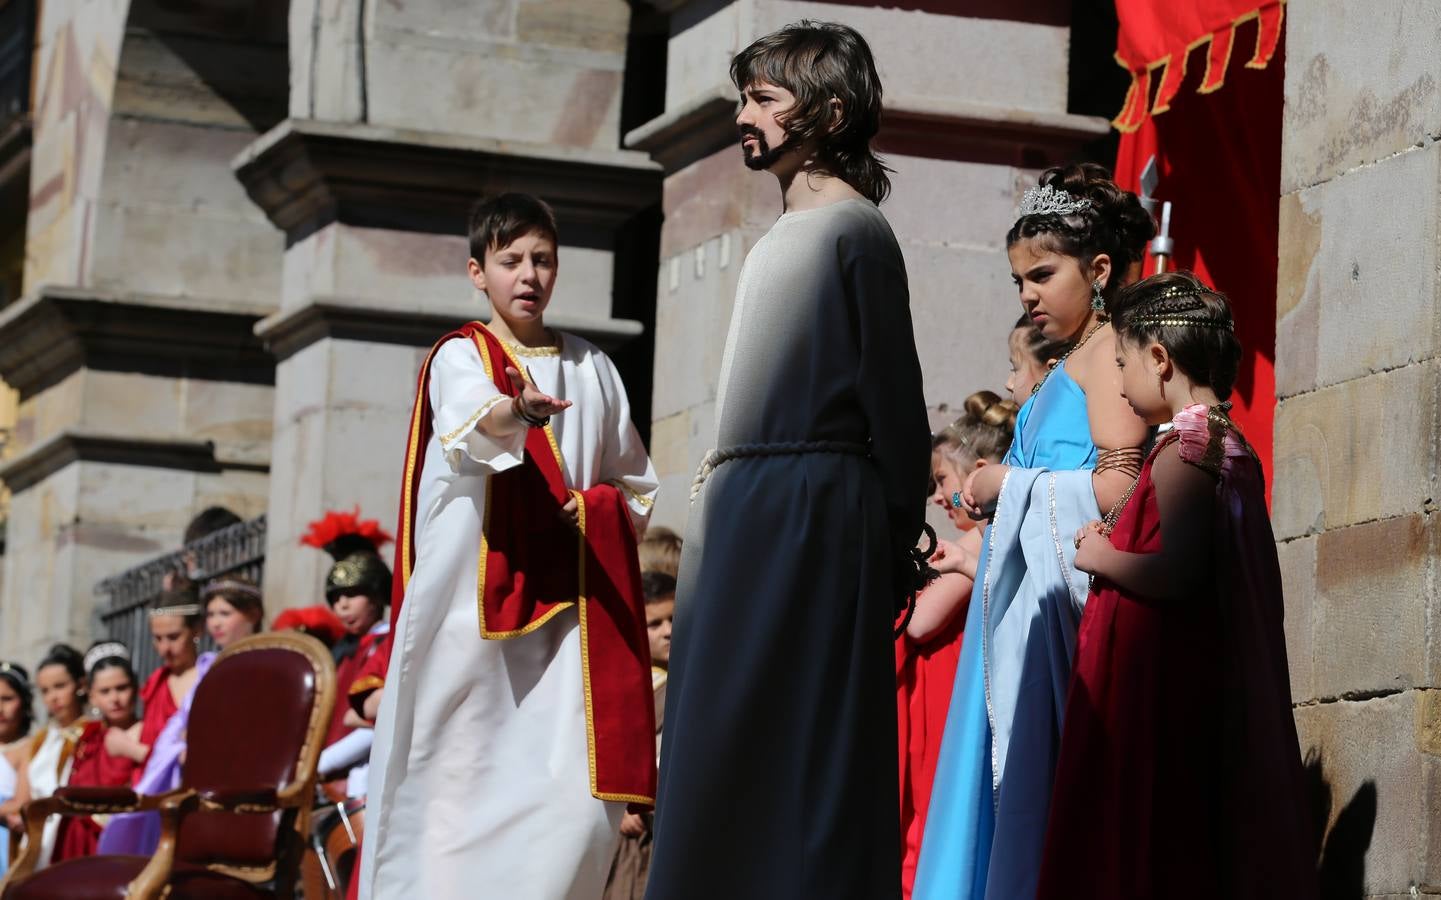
(1179, 773)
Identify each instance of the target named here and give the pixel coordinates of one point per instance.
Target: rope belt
(717, 458)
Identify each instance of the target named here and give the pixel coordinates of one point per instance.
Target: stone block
(1380, 790)
(1298, 580)
(131, 403)
(962, 309)
(34, 608)
(45, 413)
(172, 219)
(954, 204)
(571, 97)
(1341, 254)
(595, 25)
(225, 83)
(238, 418)
(714, 195)
(704, 37)
(1370, 618)
(693, 310)
(1354, 101)
(980, 53)
(1356, 451)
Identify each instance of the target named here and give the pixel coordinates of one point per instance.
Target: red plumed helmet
(342, 533)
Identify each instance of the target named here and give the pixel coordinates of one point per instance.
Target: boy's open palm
(535, 402)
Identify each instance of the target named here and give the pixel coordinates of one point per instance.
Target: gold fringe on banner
(1139, 104)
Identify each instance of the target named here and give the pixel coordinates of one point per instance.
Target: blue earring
(956, 499)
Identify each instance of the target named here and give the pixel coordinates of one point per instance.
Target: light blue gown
(986, 827)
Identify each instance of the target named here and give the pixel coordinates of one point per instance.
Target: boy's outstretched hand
(535, 403)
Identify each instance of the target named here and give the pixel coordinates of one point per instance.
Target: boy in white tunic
(517, 719)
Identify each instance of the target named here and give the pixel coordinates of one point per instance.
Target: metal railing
(237, 549)
(17, 48)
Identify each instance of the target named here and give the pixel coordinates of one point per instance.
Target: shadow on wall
(1343, 854)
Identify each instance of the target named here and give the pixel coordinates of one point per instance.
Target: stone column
(401, 116)
(143, 393)
(1356, 453)
(965, 138)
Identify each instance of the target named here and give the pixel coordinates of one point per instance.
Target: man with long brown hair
(778, 768)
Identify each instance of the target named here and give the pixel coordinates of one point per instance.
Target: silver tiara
(1046, 200)
(111, 649)
(16, 671)
(186, 609)
(216, 585)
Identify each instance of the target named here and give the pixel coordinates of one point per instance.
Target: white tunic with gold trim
(479, 778)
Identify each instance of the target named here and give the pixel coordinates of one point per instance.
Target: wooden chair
(236, 827)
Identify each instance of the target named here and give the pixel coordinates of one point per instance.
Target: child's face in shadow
(1026, 371)
(1142, 368)
(658, 615)
(950, 479)
(519, 277)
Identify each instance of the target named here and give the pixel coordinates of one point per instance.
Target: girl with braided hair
(1076, 448)
(1179, 773)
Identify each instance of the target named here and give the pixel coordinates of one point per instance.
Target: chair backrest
(257, 722)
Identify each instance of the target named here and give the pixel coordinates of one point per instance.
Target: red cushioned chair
(235, 828)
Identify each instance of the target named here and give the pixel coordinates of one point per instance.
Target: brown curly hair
(818, 62)
(1115, 223)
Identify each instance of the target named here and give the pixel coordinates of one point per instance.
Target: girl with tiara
(1076, 449)
(927, 651)
(1179, 773)
(17, 715)
(175, 627)
(113, 692)
(46, 766)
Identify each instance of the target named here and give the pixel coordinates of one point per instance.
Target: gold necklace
(1062, 358)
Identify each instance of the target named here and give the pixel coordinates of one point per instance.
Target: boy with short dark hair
(517, 717)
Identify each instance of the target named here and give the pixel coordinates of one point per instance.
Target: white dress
(479, 777)
(47, 773)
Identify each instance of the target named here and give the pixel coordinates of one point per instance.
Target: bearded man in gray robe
(778, 771)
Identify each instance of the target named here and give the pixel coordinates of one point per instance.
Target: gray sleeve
(889, 379)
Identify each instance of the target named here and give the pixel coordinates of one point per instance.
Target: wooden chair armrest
(241, 800)
(93, 800)
(151, 883)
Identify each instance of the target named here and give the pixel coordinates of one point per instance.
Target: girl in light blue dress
(1076, 451)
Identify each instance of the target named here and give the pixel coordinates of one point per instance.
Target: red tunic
(159, 705)
(925, 674)
(93, 767)
(1180, 773)
(345, 675)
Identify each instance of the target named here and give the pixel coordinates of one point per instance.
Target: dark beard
(765, 155)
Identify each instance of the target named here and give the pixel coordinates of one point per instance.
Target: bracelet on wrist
(517, 407)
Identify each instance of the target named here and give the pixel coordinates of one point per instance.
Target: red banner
(1157, 41)
(1218, 157)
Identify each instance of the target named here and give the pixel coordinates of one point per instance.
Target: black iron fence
(124, 616)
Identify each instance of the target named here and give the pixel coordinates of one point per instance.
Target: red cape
(925, 675)
(532, 566)
(1180, 772)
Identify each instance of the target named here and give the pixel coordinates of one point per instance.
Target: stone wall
(1356, 455)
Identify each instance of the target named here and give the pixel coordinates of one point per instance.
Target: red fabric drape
(1218, 150)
